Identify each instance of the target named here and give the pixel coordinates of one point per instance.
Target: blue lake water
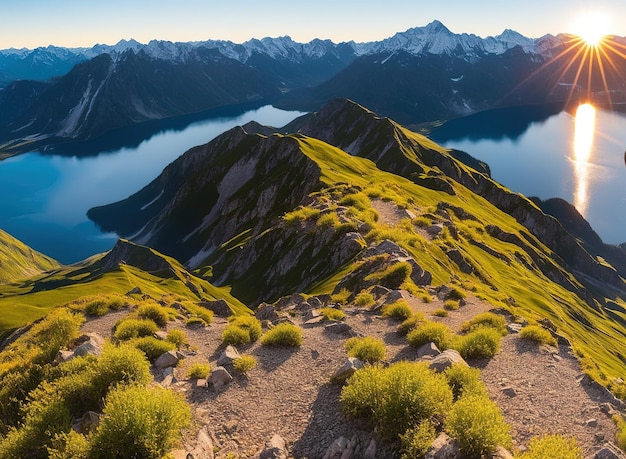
(44, 198)
(574, 154)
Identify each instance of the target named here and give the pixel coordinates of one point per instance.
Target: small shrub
(134, 328)
(364, 299)
(139, 422)
(537, 334)
(199, 371)
(121, 364)
(367, 349)
(71, 445)
(455, 294)
(398, 397)
(440, 312)
(235, 336)
(552, 446)
(410, 323)
(426, 298)
(333, 314)
(621, 431)
(464, 381)
(199, 312)
(451, 305)
(399, 310)
(251, 324)
(416, 440)
(422, 222)
(395, 275)
(434, 332)
(97, 308)
(477, 424)
(486, 319)
(242, 330)
(341, 297)
(155, 312)
(482, 343)
(195, 321)
(177, 337)
(284, 334)
(153, 347)
(301, 214)
(244, 363)
(358, 200)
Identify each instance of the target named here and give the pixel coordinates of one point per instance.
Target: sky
(84, 23)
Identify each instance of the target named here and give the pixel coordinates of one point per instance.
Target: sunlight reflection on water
(584, 132)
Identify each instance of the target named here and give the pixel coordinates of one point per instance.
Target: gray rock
(341, 448)
(444, 447)
(276, 448)
(514, 327)
(291, 300)
(87, 423)
(338, 328)
(315, 302)
(168, 371)
(92, 345)
(167, 359)
(509, 391)
(312, 314)
(162, 335)
(168, 381)
(204, 446)
(315, 320)
(227, 357)
(370, 451)
(266, 312)
(593, 422)
(134, 291)
(219, 307)
(64, 356)
(220, 377)
(428, 349)
(350, 367)
(446, 359)
(609, 451)
(435, 230)
(502, 453)
(379, 291)
(393, 296)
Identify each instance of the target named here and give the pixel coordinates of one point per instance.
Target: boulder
(203, 447)
(91, 344)
(509, 391)
(444, 447)
(276, 448)
(87, 423)
(266, 312)
(227, 357)
(428, 350)
(370, 451)
(338, 328)
(350, 367)
(220, 377)
(514, 328)
(609, 451)
(167, 359)
(312, 314)
(219, 307)
(446, 359)
(341, 448)
(134, 291)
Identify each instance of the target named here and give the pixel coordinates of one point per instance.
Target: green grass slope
(18, 261)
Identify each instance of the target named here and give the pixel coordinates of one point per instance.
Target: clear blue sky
(32, 23)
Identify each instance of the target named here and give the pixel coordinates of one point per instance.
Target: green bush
(477, 424)
(416, 440)
(409, 324)
(195, 321)
(486, 319)
(199, 312)
(333, 314)
(244, 363)
(242, 330)
(482, 343)
(434, 332)
(440, 313)
(451, 305)
(283, 334)
(70, 445)
(455, 294)
(398, 397)
(621, 432)
(399, 310)
(121, 364)
(366, 349)
(155, 312)
(364, 300)
(464, 381)
(177, 337)
(199, 371)
(235, 336)
(134, 328)
(139, 422)
(537, 334)
(552, 446)
(394, 276)
(341, 297)
(153, 347)
(98, 307)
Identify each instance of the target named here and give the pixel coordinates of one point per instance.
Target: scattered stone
(350, 367)
(167, 359)
(547, 323)
(509, 391)
(341, 448)
(444, 447)
(92, 344)
(203, 448)
(227, 357)
(608, 409)
(291, 300)
(370, 451)
(276, 448)
(168, 371)
(428, 350)
(315, 320)
(266, 312)
(134, 291)
(64, 356)
(162, 335)
(219, 307)
(199, 383)
(338, 328)
(393, 296)
(379, 291)
(220, 377)
(312, 314)
(593, 422)
(315, 302)
(168, 381)
(609, 451)
(446, 359)
(87, 423)
(435, 230)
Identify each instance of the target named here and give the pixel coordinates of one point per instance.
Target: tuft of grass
(486, 319)
(394, 276)
(451, 305)
(409, 324)
(154, 312)
(301, 214)
(333, 314)
(195, 321)
(416, 440)
(134, 328)
(153, 347)
(422, 222)
(455, 294)
(199, 371)
(482, 343)
(440, 312)
(242, 330)
(477, 424)
(244, 363)
(283, 334)
(177, 337)
(399, 310)
(428, 332)
(464, 381)
(552, 446)
(537, 334)
(341, 297)
(366, 349)
(364, 300)
(621, 432)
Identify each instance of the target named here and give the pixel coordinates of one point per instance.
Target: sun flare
(592, 28)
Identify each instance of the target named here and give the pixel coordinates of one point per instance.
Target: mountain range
(424, 74)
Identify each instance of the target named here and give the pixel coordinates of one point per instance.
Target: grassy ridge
(18, 261)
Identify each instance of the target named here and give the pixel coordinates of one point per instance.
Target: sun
(592, 28)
